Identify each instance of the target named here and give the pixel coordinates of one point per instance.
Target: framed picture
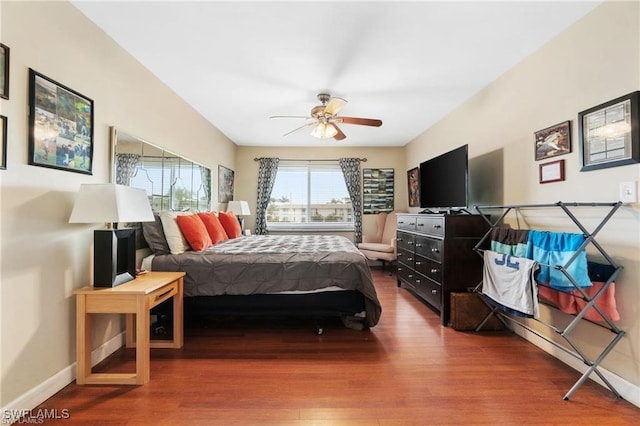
(225, 184)
(4, 71)
(3, 142)
(610, 134)
(552, 171)
(553, 141)
(377, 188)
(60, 126)
(413, 185)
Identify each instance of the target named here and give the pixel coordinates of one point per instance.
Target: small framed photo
(553, 141)
(552, 171)
(225, 184)
(610, 133)
(60, 126)
(3, 142)
(4, 71)
(413, 185)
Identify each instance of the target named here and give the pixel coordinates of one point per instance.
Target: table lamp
(114, 252)
(239, 208)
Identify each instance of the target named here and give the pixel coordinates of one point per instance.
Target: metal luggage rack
(591, 301)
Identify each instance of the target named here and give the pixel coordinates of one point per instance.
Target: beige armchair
(382, 245)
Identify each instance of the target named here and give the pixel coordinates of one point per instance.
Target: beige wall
(43, 258)
(595, 60)
(247, 173)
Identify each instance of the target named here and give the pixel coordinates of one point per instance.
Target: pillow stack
(175, 233)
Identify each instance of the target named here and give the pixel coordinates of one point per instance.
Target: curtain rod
(303, 159)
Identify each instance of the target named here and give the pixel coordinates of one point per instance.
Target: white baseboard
(627, 390)
(45, 390)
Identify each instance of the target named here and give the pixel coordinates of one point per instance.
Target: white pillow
(177, 242)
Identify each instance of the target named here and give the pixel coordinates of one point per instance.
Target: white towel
(509, 281)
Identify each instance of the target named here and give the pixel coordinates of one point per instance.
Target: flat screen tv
(444, 182)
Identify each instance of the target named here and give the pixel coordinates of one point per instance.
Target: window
(310, 197)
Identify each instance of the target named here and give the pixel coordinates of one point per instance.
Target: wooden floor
(408, 370)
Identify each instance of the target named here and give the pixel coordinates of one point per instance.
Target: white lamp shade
(111, 203)
(240, 208)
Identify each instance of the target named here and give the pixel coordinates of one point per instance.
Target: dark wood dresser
(436, 257)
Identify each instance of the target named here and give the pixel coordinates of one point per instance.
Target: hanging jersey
(509, 281)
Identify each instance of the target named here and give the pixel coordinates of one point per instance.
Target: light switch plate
(628, 192)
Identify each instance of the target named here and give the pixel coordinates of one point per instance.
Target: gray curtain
(266, 178)
(205, 175)
(126, 166)
(351, 171)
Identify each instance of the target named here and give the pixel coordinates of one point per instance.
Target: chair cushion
(383, 248)
(378, 255)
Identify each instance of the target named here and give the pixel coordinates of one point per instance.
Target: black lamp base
(114, 257)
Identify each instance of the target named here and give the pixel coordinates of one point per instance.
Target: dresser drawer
(431, 225)
(429, 247)
(407, 222)
(406, 275)
(430, 291)
(429, 268)
(405, 241)
(406, 257)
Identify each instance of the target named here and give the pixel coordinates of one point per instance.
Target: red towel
(571, 302)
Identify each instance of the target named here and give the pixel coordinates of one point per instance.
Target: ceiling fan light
(324, 131)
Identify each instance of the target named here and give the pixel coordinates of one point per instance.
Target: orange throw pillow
(214, 227)
(230, 223)
(194, 231)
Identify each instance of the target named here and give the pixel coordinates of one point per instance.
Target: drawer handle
(418, 281)
(399, 254)
(160, 296)
(421, 224)
(434, 291)
(418, 263)
(435, 250)
(409, 258)
(436, 226)
(399, 239)
(434, 271)
(400, 269)
(410, 275)
(410, 243)
(418, 245)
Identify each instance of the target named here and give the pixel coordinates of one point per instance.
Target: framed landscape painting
(377, 189)
(60, 126)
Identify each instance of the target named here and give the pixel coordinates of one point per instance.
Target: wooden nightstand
(135, 299)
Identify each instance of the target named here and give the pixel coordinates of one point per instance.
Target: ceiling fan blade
(361, 121)
(334, 106)
(290, 116)
(298, 128)
(340, 135)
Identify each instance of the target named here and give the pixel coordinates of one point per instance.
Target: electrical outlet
(628, 192)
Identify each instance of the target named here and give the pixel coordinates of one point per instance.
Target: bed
(311, 275)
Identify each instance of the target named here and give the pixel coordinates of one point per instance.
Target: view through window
(308, 196)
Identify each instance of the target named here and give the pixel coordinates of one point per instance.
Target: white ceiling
(406, 63)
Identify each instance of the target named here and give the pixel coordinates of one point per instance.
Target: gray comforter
(273, 264)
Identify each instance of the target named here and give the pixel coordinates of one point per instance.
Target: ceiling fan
(325, 120)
